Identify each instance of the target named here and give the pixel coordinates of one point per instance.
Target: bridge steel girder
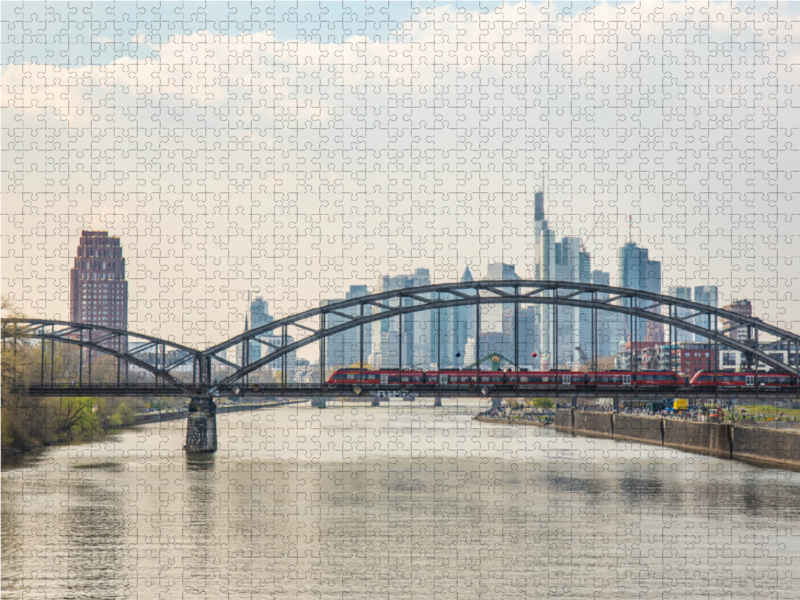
(465, 299)
(37, 330)
(745, 395)
(462, 294)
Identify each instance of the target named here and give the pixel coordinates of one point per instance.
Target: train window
(524, 379)
(405, 378)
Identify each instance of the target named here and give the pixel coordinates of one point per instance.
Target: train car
(746, 379)
(456, 378)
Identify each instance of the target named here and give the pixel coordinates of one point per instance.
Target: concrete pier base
(201, 425)
(437, 402)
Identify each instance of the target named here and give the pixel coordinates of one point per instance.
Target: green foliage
(123, 416)
(31, 422)
(542, 403)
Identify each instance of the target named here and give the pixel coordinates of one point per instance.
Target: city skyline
(308, 193)
(455, 327)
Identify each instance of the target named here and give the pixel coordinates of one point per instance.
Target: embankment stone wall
(773, 447)
(564, 419)
(691, 436)
(638, 429)
(593, 423)
(762, 445)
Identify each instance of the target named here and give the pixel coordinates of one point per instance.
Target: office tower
(257, 316)
(530, 335)
(498, 318)
(463, 327)
(684, 293)
(610, 328)
(741, 307)
(411, 334)
(543, 269)
(708, 295)
(638, 272)
(567, 321)
(259, 347)
(538, 204)
(343, 349)
(98, 289)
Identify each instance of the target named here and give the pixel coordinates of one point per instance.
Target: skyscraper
(343, 349)
(684, 293)
(638, 272)
(463, 327)
(708, 295)
(257, 316)
(411, 334)
(610, 328)
(741, 307)
(98, 289)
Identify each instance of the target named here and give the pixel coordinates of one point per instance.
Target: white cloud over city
(297, 168)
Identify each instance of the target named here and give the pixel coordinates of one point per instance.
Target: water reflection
(399, 501)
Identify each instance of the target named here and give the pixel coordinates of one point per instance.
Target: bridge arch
(103, 340)
(640, 304)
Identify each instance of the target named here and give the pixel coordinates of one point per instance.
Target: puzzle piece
(178, 176)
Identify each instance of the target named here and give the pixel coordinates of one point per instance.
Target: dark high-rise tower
(538, 206)
(98, 291)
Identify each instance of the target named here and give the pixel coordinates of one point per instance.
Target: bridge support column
(201, 425)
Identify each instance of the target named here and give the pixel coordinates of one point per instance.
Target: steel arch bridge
(213, 375)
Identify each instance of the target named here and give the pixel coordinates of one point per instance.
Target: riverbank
(157, 417)
(506, 421)
(763, 446)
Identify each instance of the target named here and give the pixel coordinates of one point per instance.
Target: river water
(404, 501)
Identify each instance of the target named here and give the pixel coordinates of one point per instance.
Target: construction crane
(583, 360)
(591, 231)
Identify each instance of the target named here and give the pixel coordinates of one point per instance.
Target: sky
(297, 149)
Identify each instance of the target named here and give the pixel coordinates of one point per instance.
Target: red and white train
(458, 378)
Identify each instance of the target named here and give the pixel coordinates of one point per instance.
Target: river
(400, 501)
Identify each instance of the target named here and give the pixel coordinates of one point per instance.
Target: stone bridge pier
(201, 425)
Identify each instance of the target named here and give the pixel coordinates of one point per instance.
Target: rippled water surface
(404, 501)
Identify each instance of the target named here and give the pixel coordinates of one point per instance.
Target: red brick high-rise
(98, 291)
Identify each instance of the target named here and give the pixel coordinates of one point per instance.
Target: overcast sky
(295, 150)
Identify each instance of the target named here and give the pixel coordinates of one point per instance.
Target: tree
(542, 403)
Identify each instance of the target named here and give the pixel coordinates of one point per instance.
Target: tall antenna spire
(544, 178)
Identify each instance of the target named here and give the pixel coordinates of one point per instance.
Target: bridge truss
(211, 374)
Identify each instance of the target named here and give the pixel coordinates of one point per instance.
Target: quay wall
(647, 430)
(760, 445)
(770, 447)
(597, 424)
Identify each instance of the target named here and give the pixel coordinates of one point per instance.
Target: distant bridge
(212, 375)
